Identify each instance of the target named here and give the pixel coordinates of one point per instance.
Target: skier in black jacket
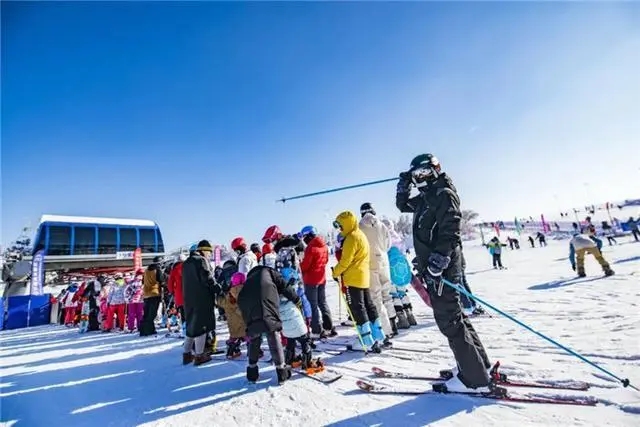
(436, 239)
(259, 302)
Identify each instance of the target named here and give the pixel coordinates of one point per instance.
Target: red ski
(501, 395)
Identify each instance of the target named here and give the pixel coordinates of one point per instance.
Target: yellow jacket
(354, 262)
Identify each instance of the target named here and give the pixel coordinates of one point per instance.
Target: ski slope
(54, 376)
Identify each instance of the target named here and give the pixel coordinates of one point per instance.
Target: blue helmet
(193, 247)
(309, 230)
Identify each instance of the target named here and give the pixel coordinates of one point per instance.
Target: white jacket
(379, 241)
(293, 324)
(582, 241)
(246, 262)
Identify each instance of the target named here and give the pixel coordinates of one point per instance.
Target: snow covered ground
(54, 376)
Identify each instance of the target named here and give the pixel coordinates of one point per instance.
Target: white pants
(380, 290)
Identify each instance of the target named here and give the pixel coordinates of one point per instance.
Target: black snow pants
(318, 301)
(470, 355)
(361, 305)
(275, 348)
(151, 306)
(497, 260)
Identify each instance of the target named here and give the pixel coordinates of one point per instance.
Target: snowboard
(399, 267)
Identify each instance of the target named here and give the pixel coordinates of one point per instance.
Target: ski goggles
(337, 225)
(422, 174)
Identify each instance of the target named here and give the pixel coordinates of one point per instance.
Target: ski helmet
(272, 234)
(255, 248)
(238, 244)
(366, 208)
(308, 230)
(424, 169)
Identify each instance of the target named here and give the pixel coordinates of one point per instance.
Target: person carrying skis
(436, 239)
(259, 302)
(379, 243)
(352, 273)
(200, 290)
(580, 245)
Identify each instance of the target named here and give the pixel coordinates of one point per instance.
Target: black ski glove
(436, 264)
(404, 183)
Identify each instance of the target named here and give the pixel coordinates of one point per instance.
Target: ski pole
(625, 382)
(333, 190)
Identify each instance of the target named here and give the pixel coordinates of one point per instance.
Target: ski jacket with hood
(314, 262)
(436, 219)
(379, 242)
(354, 261)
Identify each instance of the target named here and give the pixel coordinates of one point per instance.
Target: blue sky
(200, 115)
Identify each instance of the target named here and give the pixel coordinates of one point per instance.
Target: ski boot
(253, 373)
(313, 366)
(387, 344)
(283, 374)
(233, 349)
(187, 358)
(201, 359)
(410, 317)
(394, 327)
(401, 319)
(609, 272)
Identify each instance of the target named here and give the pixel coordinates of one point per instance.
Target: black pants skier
(361, 305)
(636, 234)
(497, 260)
(275, 348)
(147, 326)
(319, 306)
(470, 355)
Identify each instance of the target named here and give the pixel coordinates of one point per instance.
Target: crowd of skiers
(278, 291)
(125, 302)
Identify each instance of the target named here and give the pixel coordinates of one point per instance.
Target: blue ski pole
(625, 382)
(333, 190)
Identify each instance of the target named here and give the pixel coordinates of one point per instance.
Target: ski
(388, 390)
(500, 379)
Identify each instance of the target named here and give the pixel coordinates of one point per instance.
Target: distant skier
(532, 242)
(541, 238)
(580, 245)
(513, 243)
(495, 249)
(436, 238)
(609, 233)
(633, 227)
